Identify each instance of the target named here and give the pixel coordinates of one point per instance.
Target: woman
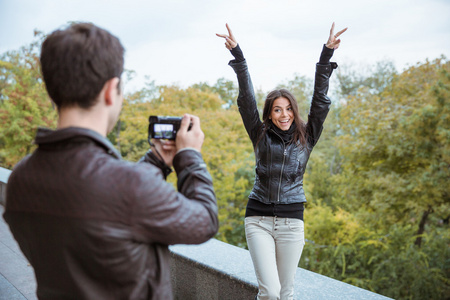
(282, 143)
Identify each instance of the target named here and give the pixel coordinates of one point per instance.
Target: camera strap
(157, 160)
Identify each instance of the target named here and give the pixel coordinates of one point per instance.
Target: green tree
(396, 146)
(226, 89)
(373, 78)
(395, 150)
(24, 103)
(344, 247)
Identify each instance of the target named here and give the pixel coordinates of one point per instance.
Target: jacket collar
(48, 136)
(285, 135)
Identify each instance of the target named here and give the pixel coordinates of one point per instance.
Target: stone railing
(218, 271)
(4, 175)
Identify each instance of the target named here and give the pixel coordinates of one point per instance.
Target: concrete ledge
(4, 175)
(217, 270)
(213, 270)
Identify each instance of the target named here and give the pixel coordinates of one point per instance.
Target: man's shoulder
(18, 168)
(100, 164)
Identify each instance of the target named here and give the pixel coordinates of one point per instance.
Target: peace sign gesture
(230, 40)
(333, 41)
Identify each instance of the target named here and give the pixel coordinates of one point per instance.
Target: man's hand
(192, 138)
(167, 149)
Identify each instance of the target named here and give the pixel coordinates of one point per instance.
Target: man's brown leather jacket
(96, 227)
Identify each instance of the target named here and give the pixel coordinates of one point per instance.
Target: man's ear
(111, 87)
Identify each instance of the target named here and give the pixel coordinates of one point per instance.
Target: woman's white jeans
(275, 245)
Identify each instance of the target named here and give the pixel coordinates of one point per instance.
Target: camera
(164, 127)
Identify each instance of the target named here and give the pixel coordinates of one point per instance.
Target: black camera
(164, 127)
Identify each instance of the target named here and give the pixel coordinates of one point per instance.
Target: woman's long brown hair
(300, 132)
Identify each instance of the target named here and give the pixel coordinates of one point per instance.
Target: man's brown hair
(76, 63)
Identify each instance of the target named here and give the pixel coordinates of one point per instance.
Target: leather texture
(94, 226)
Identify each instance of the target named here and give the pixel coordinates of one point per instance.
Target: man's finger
(332, 29)
(184, 124)
(195, 121)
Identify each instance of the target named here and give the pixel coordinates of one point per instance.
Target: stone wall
(4, 175)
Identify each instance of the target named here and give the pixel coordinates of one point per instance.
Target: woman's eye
(290, 108)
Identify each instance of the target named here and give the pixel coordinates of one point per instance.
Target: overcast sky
(174, 42)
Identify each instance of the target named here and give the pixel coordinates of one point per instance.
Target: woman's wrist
(237, 54)
(326, 55)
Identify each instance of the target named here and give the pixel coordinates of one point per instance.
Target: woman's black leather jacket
(279, 167)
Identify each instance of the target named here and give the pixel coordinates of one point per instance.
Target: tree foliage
(393, 145)
(396, 147)
(24, 104)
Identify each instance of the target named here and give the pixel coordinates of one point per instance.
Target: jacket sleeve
(320, 104)
(151, 158)
(166, 216)
(246, 100)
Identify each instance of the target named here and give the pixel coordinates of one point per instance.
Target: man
(92, 225)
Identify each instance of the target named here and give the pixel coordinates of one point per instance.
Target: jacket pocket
(297, 165)
(260, 172)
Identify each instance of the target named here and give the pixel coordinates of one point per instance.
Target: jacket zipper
(282, 166)
(281, 175)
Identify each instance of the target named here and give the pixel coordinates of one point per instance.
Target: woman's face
(282, 114)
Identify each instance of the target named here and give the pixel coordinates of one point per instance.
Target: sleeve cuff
(237, 53)
(184, 149)
(326, 55)
(185, 158)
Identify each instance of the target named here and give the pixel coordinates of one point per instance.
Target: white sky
(174, 42)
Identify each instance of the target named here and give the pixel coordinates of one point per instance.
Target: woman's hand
(230, 40)
(333, 41)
